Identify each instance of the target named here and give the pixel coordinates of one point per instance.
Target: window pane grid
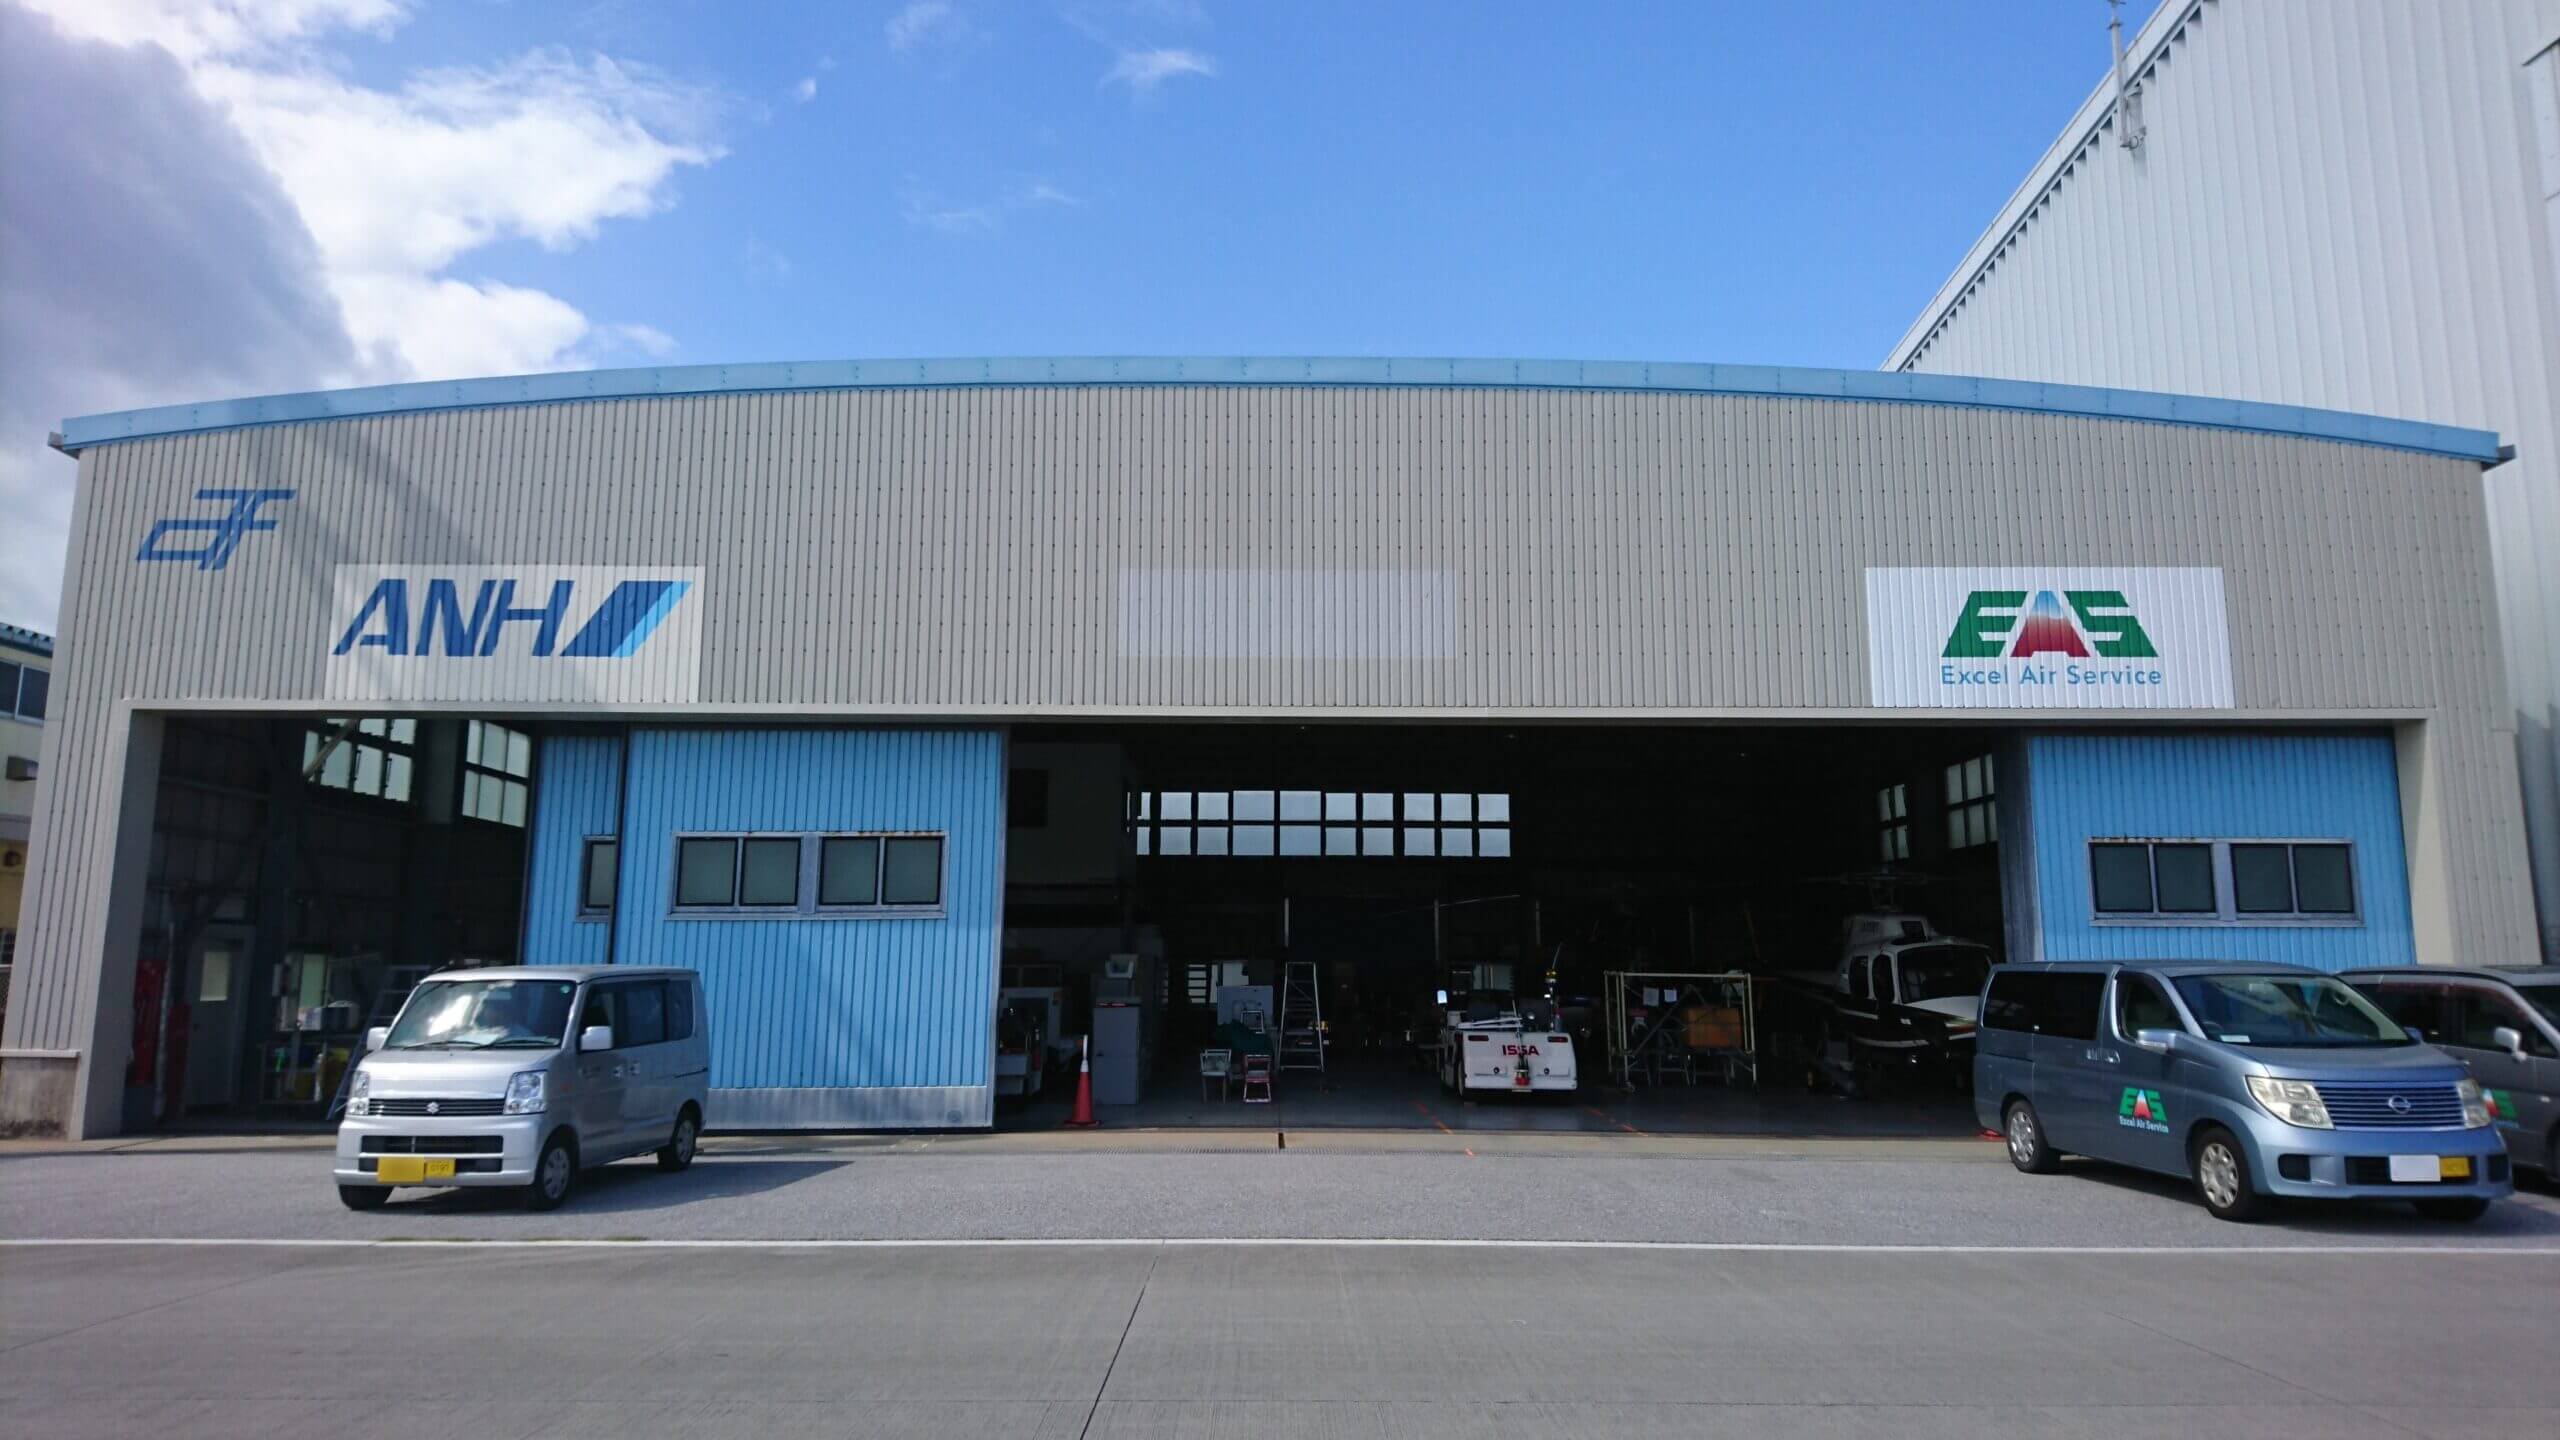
(753, 874)
(1372, 824)
(2222, 882)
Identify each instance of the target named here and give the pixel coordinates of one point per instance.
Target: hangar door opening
(1665, 906)
(305, 872)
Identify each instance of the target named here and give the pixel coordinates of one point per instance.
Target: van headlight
(2294, 1102)
(360, 1094)
(2475, 1108)
(524, 1093)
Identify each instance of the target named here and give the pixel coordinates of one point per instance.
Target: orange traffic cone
(1083, 1119)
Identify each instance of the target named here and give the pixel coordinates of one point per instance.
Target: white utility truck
(1493, 1043)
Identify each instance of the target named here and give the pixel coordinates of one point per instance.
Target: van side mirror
(596, 1037)
(376, 1038)
(2160, 1040)
(2509, 1039)
(2416, 1034)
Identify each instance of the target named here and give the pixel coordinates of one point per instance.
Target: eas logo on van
(535, 634)
(464, 619)
(2012, 624)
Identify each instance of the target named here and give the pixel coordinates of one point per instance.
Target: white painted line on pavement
(429, 1244)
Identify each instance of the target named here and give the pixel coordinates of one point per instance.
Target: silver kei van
(525, 1075)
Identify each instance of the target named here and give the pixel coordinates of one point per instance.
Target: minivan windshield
(2286, 1011)
(1943, 972)
(511, 1014)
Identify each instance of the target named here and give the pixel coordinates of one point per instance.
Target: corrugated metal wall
(962, 554)
(2216, 787)
(808, 1004)
(577, 780)
(2338, 203)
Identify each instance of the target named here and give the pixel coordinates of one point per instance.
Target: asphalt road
(1106, 1187)
(1087, 1288)
(1078, 1340)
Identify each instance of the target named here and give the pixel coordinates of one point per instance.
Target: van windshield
(484, 1015)
(2287, 1011)
(1943, 972)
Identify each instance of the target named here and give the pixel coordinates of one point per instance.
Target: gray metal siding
(2339, 203)
(962, 552)
(964, 549)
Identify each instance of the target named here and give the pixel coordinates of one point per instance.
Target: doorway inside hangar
(1672, 900)
(305, 872)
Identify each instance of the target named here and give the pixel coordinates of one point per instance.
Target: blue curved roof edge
(1683, 378)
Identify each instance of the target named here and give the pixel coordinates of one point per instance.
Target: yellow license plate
(410, 1169)
(2454, 1167)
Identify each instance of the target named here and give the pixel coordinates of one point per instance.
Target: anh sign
(2059, 638)
(515, 633)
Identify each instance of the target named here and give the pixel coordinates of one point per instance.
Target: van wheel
(554, 1175)
(364, 1197)
(2221, 1171)
(2454, 1209)
(677, 1153)
(2028, 1149)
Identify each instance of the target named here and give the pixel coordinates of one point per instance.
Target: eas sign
(2060, 638)
(515, 633)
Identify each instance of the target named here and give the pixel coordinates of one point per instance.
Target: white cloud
(1144, 70)
(919, 22)
(933, 211)
(195, 29)
(147, 257)
(397, 185)
(806, 90)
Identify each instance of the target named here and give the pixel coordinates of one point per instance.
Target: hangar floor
(1369, 1095)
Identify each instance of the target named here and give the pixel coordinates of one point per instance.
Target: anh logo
(2019, 625)
(2143, 1110)
(222, 532)
(402, 617)
(618, 634)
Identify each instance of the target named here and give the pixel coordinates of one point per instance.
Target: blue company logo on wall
(222, 533)
(611, 634)
(431, 617)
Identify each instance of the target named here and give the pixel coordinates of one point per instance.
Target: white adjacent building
(2346, 204)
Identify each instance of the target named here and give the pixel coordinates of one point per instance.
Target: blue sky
(1781, 183)
(210, 198)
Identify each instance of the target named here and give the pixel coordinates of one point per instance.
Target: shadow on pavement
(2526, 1215)
(630, 1187)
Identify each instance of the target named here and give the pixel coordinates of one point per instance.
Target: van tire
(2029, 1150)
(2454, 1209)
(2219, 1165)
(555, 1174)
(677, 1153)
(364, 1197)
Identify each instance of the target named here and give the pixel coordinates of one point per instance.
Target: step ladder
(1301, 1018)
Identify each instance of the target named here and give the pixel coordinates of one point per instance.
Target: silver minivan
(525, 1075)
(2503, 1024)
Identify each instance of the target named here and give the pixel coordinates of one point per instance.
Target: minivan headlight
(524, 1093)
(360, 1094)
(2294, 1102)
(2475, 1108)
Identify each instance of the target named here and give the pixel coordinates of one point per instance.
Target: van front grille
(434, 1145)
(2392, 1107)
(444, 1105)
